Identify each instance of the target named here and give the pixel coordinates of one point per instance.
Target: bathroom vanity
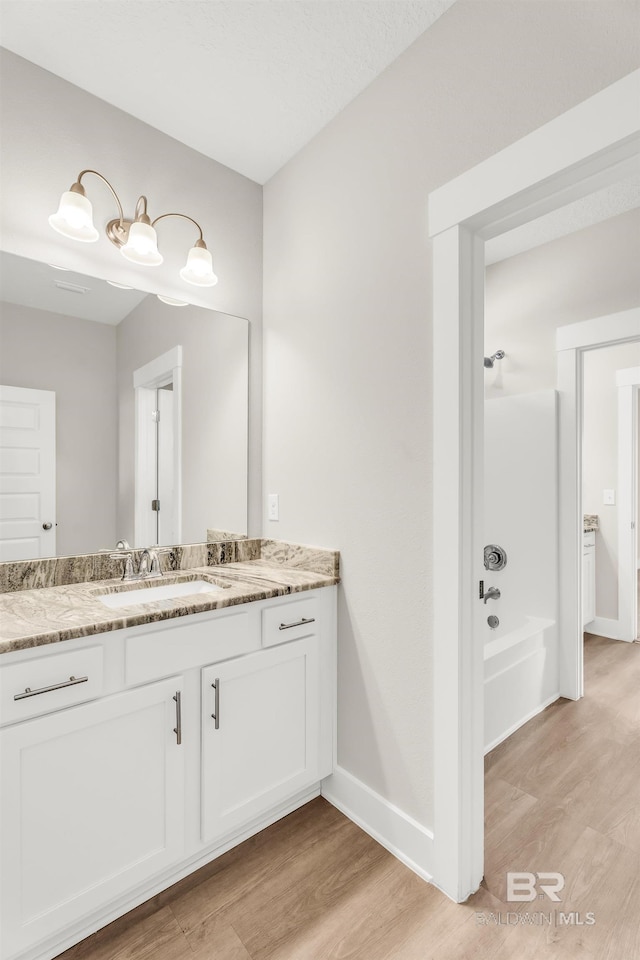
(137, 744)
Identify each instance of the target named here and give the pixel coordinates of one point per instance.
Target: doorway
(591, 146)
(158, 450)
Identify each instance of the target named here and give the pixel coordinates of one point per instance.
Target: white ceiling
(249, 82)
(246, 83)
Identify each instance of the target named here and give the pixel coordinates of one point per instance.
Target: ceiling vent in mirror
(71, 287)
(136, 239)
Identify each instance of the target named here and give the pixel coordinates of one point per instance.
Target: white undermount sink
(165, 591)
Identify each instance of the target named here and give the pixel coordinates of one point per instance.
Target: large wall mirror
(122, 417)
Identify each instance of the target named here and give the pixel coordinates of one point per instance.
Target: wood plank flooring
(562, 794)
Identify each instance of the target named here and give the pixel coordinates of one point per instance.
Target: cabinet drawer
(290, 621)
(162, 651)
(589, 538)
(39, 686)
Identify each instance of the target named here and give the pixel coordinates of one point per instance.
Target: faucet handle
(493, 593)
(127, 556)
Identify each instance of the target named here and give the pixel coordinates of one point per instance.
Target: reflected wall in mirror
(84, 369)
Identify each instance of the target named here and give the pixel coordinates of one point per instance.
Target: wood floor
(562, 794)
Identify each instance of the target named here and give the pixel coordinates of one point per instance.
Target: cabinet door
(588, 584)
(92, 804)
(264, 745)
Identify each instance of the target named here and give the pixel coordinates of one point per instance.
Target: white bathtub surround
(521, 653)
(521, 678)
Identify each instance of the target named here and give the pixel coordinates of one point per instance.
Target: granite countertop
(591, 522)
(31, 618)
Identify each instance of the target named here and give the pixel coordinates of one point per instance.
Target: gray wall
(591, 273)
(76, 359)
(214, 412)
(347, 300)
(52, 130)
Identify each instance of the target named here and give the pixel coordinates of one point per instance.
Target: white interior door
(27, 473)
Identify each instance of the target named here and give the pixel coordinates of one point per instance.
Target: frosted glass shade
(142, 245)
(74, 218)
(199, 268)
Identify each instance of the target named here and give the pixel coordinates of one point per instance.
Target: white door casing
(628, 388)
(27, 473)
(590, 146)
(571, 343)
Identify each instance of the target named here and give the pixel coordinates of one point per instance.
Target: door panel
(27, 473)
(93, 803)
(266, 745)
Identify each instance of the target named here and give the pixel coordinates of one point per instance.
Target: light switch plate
(273, 509)
(609, 497)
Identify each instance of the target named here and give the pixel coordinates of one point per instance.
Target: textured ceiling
(598, 206)
(246, 83)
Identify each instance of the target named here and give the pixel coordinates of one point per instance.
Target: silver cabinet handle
(71, 682)
(47, 526)
(216, 716)
(178, 727)
(298, 623)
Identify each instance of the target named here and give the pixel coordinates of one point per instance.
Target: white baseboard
(603, 627)
(521, 723)
(399, 833)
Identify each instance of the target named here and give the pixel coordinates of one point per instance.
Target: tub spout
(492, 593)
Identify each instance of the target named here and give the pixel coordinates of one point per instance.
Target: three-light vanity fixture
(136, 239)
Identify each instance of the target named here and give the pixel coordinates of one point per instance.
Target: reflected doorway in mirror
(158, 449)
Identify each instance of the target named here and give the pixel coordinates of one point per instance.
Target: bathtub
(520, 677)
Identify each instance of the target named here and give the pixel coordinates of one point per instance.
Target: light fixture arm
(200, 242)
(78, 188)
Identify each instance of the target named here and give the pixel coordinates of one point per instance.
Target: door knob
(47, 526)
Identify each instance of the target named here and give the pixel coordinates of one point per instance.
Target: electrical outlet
(273, 509)
(609, 497)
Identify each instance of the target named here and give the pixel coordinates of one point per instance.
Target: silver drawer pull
(178, 727)
(71, 682)
(298, 623)
(216, 716)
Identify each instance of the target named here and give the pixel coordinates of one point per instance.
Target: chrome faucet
(148, 568)
(492, 593)
(149, 564)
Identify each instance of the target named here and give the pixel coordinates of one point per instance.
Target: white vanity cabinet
(588, 577)
(260, 733)
(129, 783)
(92, 803)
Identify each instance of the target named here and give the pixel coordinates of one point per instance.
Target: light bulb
(74, 218)
(142, 245)
(199, 268)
